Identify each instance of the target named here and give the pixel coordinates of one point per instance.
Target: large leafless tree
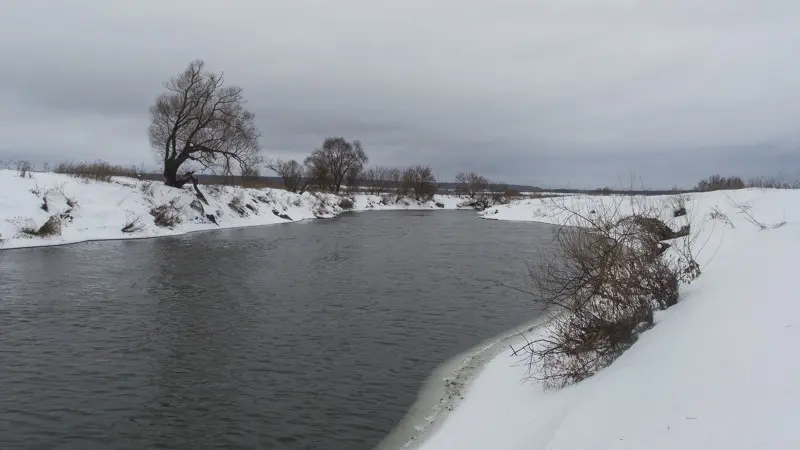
(202, 123)
(332, 164)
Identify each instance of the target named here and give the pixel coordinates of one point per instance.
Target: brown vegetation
(98, 170)
(602, 281)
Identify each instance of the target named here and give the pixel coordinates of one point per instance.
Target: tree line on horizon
(200, 124)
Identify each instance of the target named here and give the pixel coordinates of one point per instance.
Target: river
(315, 335)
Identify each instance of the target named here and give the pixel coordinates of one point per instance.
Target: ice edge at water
(446, 388)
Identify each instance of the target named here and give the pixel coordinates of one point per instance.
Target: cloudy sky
(549, 92)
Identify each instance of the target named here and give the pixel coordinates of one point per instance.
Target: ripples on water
(302, 336)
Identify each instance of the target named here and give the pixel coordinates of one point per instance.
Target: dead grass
(133, 224)
(50, 228)
(98, 170)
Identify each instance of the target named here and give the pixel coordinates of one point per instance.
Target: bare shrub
(148, 189)
(322, 206)
(717, 214)
(237, 205)
(346, 203)
(295, 177)
(24, 169)
(98, 170)
(745, 210)
(718, 183)
(603, 281)
(167, 215)
(133, 224)
(52, 227)
(678, 205)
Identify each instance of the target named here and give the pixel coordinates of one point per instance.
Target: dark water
(302, 336)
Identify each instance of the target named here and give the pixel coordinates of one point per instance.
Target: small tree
(471, 183)
(294, 175)
(201, 121)
(420, 181)
(331, 164)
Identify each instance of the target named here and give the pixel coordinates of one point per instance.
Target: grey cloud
(548, 92)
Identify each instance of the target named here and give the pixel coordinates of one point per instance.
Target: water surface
(300, 336)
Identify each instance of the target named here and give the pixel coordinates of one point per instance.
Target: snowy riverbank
(717, 370)
(90, 210)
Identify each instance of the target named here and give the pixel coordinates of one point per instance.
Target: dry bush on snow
(148, 189)
(717, 214)
(602, 282)
(346, 203)
(133, 224)
(52, 227)
(744, 209)
(98, 170)
(167, 215)
(237, 205)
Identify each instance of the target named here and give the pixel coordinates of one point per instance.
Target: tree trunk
(171, 178)
(171, 174)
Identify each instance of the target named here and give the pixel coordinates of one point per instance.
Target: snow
(101, 209)
(718, 370)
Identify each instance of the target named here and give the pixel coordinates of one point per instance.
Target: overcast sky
(548, 92)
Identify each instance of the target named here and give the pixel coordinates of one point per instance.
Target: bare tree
(380, 179)
(200, 121)
(420, 181)
(331, 164)
(293, 174)
(471, 183)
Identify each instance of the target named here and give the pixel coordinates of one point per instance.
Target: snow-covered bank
(717, 371)
(91, 210)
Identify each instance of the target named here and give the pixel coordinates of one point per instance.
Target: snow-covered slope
(719, 370)
(91, 210)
